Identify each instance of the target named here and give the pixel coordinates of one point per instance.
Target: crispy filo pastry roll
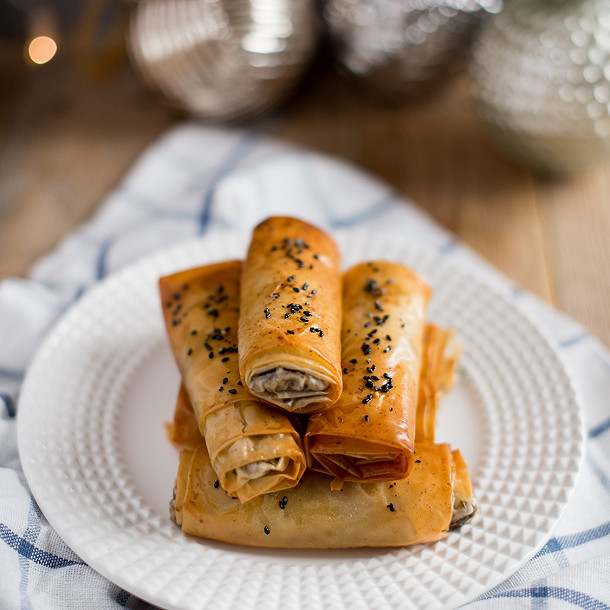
(419, 509)
(290, 319)
(254, 448)
(440, 354)
(368, 435)
(183, 431)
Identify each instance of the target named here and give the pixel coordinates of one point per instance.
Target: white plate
(94, 452)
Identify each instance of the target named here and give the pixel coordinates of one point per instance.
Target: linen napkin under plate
(198, 180)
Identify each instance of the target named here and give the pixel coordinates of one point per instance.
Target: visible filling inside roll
(286, 383)
(464, 509)
(246, 447)
(256, 470)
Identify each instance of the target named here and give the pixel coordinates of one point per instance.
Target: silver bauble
(541, 72)
(399, 49)
(223, 60)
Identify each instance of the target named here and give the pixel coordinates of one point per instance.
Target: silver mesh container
(541, 81)
(400, 49)
(222, 60)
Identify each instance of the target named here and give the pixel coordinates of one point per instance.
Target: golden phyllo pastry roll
(415, 510)
(440, 354)
(290, 318)
(254, 448)
(368, 434)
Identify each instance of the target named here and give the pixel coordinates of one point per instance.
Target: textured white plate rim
(160, 262)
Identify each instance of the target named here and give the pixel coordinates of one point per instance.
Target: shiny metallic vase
(223, 60)
(541, 72)
(399, 50)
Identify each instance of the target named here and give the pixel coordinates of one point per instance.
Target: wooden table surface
(67, 137)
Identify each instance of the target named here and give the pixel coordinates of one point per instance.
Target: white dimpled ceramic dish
(95, 454)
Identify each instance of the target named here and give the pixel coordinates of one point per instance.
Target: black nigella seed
(211, 355)
(369, 385)
(216, 484)
(213, 313)
(290, 332)
(307, 313)
(321, 333)
(387, 349)
(190, 351)
(239, 383)
(366, 418)
(194, 332)
(297, 289)
(177, 295)
(378, 306)
(225, 359)
(386, 376)
(305, 286)
(286, 315)
(367, 399)
(221, 388)
(313, 292)
(232, 391)
(370, 369)
(304, 319)
(354, 360)
(225, 380)
(418, 461)
(289, 279)
(345, 371)
(267, 315)
(376, 341)
(388, 337)
(267, 530)
(366, 348)
(391, 507)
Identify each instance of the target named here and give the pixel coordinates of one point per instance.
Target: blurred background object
(541, 72)
(399, 50)
(72, 127)
(223, 60)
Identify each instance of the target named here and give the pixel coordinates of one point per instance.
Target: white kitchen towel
(197, 180)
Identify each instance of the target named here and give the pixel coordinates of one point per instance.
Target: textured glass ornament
(400, 49)
(541, 72)
(223, 60)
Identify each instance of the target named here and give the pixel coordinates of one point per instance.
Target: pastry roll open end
(254, 447)
(290, 317)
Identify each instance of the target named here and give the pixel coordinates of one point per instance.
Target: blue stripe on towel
(559, 543)
(599, 429)
(244, 146)
(29, 551)
(576, 598)
(9, 404)
(12, 374)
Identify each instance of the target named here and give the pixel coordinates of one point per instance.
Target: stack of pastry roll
(357, 363)
(253, 447)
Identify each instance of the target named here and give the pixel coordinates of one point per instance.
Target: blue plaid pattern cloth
(196, 180)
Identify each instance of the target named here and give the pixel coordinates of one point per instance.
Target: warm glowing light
(42, 49)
